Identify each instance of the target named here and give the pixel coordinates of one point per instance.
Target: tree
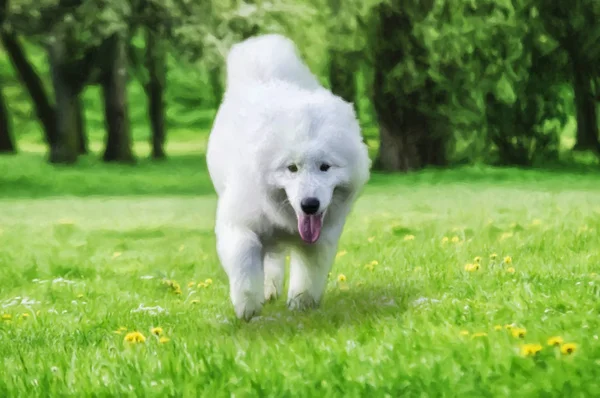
(344, 47)
(6, 142)
(411, 137)
(155, 90)
(114, 88)
(32, 82)
(576, 27)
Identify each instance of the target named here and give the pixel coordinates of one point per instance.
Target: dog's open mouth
(309, 227)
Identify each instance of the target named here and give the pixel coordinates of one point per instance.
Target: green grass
(83, 248)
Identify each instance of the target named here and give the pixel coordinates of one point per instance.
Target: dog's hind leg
(274, 267)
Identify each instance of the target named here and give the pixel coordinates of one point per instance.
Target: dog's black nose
(310, 205)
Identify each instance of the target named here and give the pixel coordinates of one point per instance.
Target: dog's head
(320, 162)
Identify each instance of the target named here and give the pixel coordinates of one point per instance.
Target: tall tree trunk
(6, 142)
(585, 107)
(33, 83)
(156, 66)
(342, 71)
(67, 144)
(83, 150)
(114, 86)
(409, 138)
(216, 83)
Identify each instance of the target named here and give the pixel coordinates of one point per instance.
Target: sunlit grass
(84, 287)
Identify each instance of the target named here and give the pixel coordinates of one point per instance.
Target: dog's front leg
(309, 268)
(240, 252)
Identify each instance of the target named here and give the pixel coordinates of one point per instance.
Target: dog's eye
(324, 167)
(293, 168)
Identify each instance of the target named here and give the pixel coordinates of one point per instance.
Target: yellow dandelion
(409, 237)
(341, 253)
(208, 282)
(493, 256)
(158, 331)
(25, 315)
(202, 284)
(135, 337)
(530, 349)
(455, 239)
(479, 334)
(555, 341)
(371, 266)
(164, 340)
(195, 301)
(510, 270)
(477, 259)
(341, 278)
(177, 290)
(508, 260)
(519, 332)
(6, 317)
(464, 332)
(371, 239)
(498, 327)
(191, 284)
(445, 239)
(116, 254)
(472, 267)
(568, 348)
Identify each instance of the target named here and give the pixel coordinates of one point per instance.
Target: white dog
(287, 161)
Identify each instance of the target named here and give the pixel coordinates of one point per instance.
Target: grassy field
(86, 252)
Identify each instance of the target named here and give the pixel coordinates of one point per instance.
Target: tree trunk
(6, 142)
(66, 147)
(585, 107)
(216, 83)
(409, 138)
(83, 150)
(156, 66)
(342, 71)
(33, 83)
(114, 86)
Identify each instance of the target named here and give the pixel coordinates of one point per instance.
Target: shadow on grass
(28, 175)
(340, 309)
(550, 175)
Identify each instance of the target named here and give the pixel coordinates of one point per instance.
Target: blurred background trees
(435, 82)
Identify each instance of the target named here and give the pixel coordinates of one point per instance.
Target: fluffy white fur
(276, 114)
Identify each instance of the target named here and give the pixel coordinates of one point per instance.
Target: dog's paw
(271, 293)
(247, 305)
(302, 302)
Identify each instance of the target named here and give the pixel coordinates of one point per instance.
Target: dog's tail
(266, 58)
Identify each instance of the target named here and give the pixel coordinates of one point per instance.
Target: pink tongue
(310, 227)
